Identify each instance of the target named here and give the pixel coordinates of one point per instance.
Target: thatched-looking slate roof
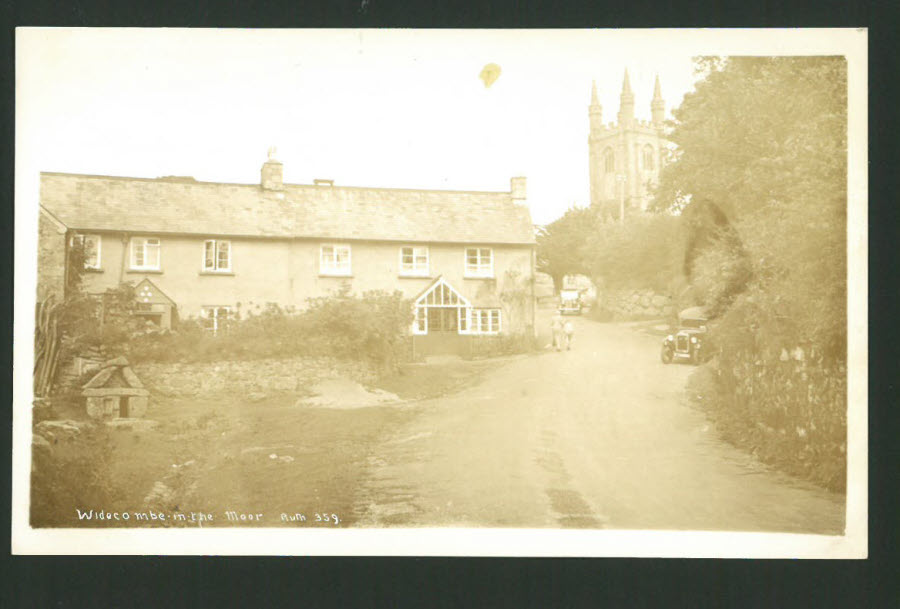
(171, 205)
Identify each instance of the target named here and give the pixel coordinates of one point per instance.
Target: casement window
(217, 256)
(90, 245)
(486, 321)
(479, 262)
(145, 253)
(214, 318)
(334, 260)
(414, 261)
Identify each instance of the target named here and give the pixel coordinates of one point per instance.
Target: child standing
(569, 329)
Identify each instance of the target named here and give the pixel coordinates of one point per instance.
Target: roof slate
(167, 205)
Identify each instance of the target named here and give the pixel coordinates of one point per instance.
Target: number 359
(331, 518)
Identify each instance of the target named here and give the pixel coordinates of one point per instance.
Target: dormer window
(217, 256)
(479, 262)
(145, 253)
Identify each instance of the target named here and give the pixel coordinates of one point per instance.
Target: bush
(74, 473)
(371, 327)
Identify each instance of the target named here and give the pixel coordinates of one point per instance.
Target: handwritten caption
(201, 518)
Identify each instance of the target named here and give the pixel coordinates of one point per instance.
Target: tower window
(648, 157)
(609, 160)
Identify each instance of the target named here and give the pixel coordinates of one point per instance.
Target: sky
(384, 108)
(398, 108)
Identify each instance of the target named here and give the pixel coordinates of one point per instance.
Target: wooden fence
(46, 345)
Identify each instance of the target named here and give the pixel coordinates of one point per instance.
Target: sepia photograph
(489, 292)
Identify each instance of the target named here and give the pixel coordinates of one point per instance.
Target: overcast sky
(397, 108)
(400, 109)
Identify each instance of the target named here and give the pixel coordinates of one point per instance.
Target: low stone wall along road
(597, 437)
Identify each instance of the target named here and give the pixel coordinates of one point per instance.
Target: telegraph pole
(621, 178)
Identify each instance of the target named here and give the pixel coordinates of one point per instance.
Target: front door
(443, 336)
(443, 319)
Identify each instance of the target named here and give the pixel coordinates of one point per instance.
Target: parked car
(570, 302)
(687, 344)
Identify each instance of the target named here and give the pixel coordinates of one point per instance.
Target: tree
(560, 244)
(764, 140)
(760, 175)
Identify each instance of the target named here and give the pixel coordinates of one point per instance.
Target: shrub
(74, 473)
(371, 327)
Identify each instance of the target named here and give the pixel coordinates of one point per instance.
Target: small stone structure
(115, 392)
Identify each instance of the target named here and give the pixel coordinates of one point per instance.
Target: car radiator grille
(681, 343)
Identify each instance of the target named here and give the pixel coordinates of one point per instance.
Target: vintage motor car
(687, 343)
(570, 302)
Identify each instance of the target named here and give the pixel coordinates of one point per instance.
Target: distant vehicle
(570, 302)
(687, 342)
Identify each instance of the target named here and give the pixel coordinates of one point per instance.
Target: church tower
(625, 157)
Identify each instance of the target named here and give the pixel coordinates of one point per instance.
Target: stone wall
(247, 377)
(636, 304)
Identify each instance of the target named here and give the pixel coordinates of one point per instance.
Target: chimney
(517, 188)
(272, 173)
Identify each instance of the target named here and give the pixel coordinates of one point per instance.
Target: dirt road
(597, 437)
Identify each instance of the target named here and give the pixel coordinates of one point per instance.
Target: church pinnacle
(657, 105)
(595, 110)
(626, 85)
(626, 103)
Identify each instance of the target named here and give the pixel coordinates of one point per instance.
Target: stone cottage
(217, 250)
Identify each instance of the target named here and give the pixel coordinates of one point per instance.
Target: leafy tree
(764, 140)
(760, 176)
(560, 244)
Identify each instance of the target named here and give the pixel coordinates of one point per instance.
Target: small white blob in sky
(489, 74)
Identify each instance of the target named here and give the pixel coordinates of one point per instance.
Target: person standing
(569, 330)
(556, 327)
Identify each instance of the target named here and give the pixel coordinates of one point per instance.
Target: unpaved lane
(597, 437)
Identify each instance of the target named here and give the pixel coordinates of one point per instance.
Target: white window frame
(421, 307)
(478, 327)
(216, 268)
(480, 269)
(328, 268)
(205, 310)
(83, 239)
(145, 242)
(420, 320)
(464, 319)
(414, 270)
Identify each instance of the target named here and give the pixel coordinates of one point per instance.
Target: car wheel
(666, 355)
